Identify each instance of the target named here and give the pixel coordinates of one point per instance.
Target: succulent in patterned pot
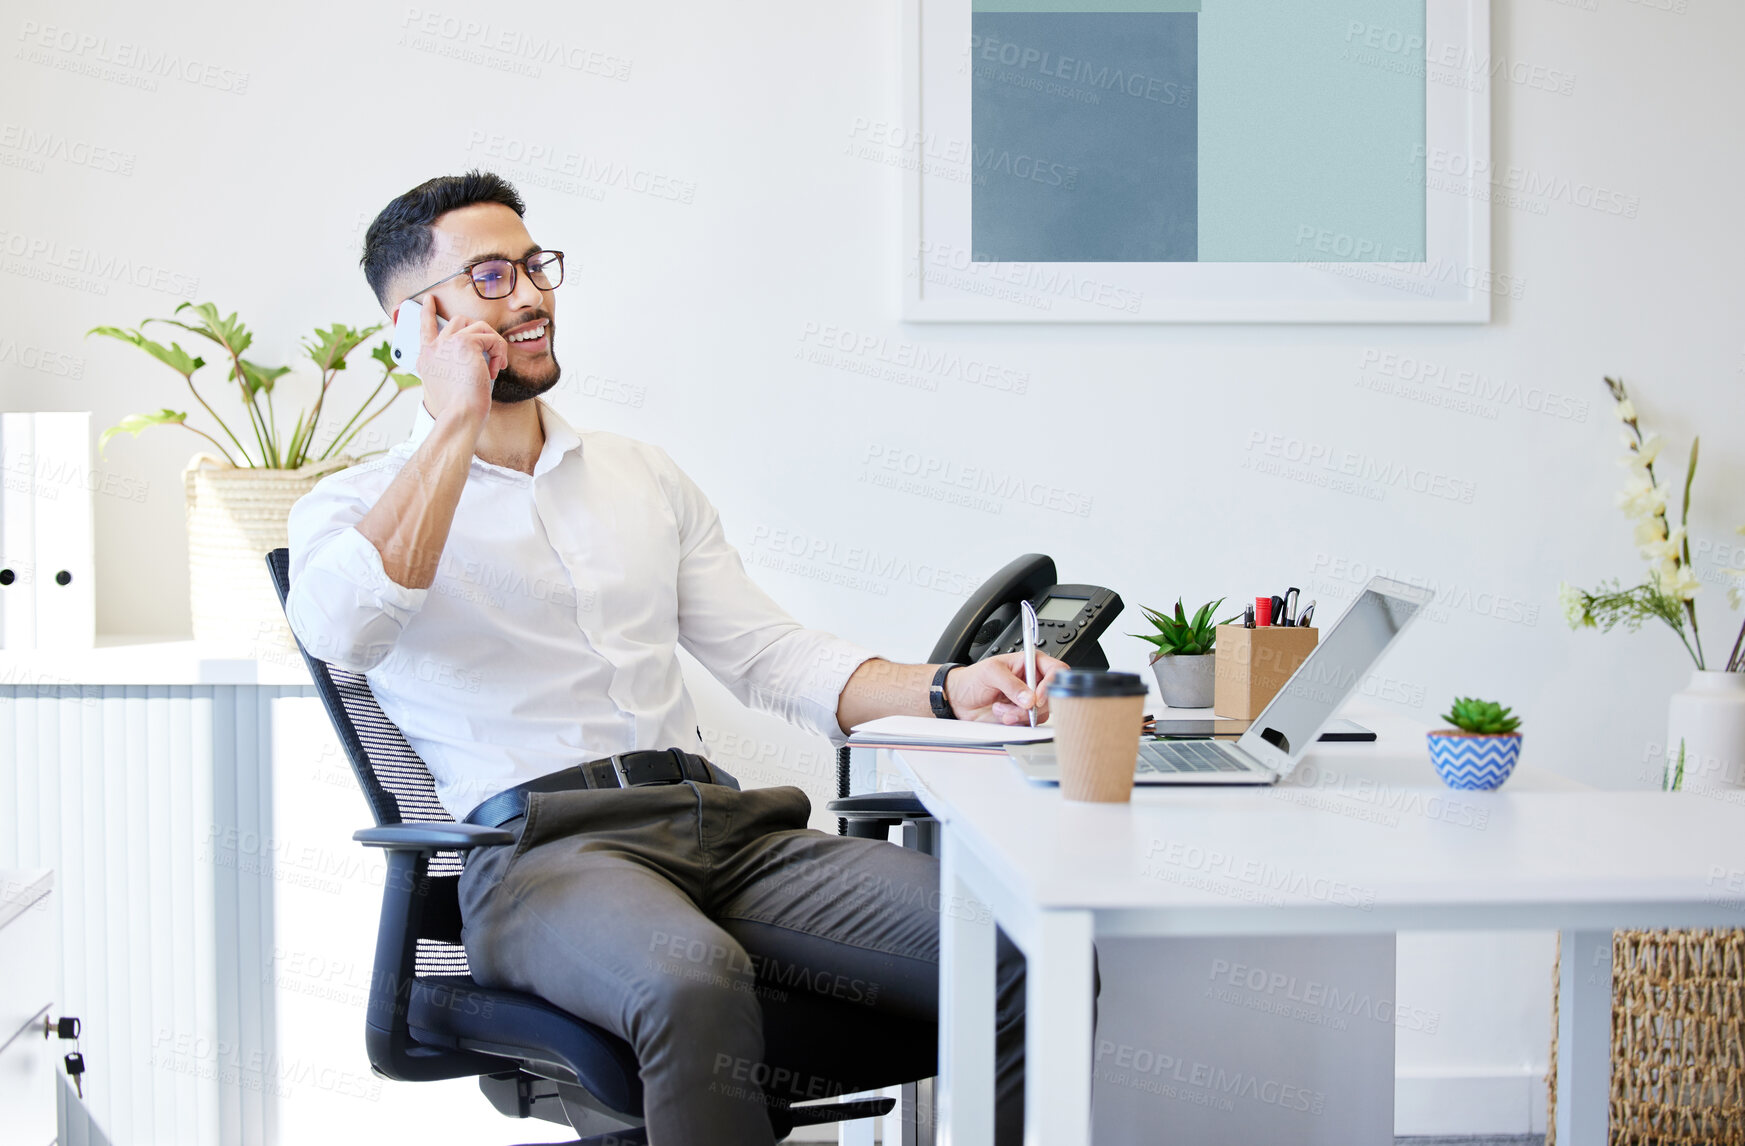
(1481, 748)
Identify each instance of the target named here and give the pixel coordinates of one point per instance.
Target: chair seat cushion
(455, 1012)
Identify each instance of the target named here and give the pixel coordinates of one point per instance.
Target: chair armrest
(416, 906)
(894, 807)
(432, 837)
(872, 815)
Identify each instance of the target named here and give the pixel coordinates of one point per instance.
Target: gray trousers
(745, 957)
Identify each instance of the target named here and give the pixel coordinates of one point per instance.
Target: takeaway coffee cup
(1096, 717)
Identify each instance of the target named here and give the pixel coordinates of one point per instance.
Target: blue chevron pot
(1470, 760)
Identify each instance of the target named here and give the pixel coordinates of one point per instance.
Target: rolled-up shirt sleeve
(738, 632)
(342, 604)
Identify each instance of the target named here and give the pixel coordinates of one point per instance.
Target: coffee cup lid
(1095, 682)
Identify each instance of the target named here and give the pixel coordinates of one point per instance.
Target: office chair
(427, 1019)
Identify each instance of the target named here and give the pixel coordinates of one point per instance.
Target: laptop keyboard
(1163, 756)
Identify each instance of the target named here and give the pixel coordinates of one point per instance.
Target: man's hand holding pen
(993, 690)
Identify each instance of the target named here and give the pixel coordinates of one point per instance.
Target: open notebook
(926, 732)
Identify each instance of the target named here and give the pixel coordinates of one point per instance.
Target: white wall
(698, 312)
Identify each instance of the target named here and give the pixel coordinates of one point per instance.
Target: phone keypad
(1058, 633)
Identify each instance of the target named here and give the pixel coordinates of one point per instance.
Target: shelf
(146, 660)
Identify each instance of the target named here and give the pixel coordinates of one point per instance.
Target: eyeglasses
(495, 278)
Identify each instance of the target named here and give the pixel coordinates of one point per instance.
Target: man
(516, 592)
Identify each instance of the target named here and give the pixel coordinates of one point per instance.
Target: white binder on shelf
(66, 601)
(17, 532)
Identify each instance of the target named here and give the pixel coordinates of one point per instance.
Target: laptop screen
(1286, 728)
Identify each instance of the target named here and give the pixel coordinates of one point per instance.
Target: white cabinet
(138, 773)
(215, 921)
(29, 962)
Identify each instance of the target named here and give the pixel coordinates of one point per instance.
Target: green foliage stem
(328, 349)
(1181, 635)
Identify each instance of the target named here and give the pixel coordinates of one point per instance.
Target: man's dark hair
(400, 236)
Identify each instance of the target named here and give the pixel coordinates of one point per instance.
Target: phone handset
(993, 608)
(409, 334)
(1070, 618)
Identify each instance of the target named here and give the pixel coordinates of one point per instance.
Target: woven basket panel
(235, 517)
(1678, 1039)
(1678, 1056)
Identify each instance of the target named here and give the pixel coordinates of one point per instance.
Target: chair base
(636, 1137)
(825, 1112)
(524, 1096)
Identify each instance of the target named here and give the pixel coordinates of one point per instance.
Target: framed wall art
(1197, 161)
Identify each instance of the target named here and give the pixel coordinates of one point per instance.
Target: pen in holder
(1253, 664)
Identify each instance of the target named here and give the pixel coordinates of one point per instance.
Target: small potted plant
(1184, 660)
(1481, 749)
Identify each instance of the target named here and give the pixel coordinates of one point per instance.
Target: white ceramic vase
(1707, 719)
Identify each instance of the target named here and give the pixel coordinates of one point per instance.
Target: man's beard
(512, 386)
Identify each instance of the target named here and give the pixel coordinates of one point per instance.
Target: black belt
(625, 770)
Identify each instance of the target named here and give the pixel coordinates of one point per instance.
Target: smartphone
(409, 335)
(1338, 729)
(1198, 729)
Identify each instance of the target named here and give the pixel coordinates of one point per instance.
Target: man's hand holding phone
(457, 362)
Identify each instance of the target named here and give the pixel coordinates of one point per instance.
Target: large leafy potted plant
(239, 495)
(1185, 659)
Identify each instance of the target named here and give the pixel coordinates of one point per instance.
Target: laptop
(1285, 728)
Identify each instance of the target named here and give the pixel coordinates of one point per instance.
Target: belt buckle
(618, 769)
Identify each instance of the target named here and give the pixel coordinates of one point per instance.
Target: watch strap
(936, 692)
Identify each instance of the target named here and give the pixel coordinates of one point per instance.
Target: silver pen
(1030, 634)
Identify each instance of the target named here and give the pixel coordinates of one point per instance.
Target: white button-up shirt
(550, 633)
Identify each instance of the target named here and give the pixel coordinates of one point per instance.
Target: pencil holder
(1253, 664)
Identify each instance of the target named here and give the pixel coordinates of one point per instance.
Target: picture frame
(945, 281)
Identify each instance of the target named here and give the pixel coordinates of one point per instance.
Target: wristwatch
(936, 692)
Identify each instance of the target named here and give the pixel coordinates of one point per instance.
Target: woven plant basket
(236, 515)
(1678, 1039)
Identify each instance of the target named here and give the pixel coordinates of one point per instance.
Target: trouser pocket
(485, 868)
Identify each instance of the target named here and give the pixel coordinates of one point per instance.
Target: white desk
(1376, 851)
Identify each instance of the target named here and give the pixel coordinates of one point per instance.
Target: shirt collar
(560, 436)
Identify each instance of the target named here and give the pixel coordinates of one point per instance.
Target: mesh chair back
(395, 782)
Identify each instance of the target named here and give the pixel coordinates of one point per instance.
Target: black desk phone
(1070, 617)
